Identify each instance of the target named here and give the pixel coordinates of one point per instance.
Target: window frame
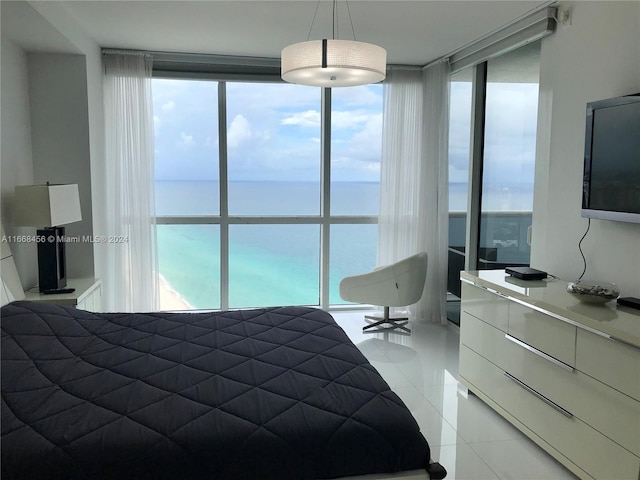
(325, 220)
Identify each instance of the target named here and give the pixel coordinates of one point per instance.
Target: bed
(275, 393)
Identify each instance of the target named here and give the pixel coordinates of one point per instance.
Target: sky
(273, 131)
(510, 133)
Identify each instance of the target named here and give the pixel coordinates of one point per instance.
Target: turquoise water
(277, 264)
(189, 261)
(268, 264)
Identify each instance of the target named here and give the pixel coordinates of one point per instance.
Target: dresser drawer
(485, 305)
(605, 409)
(549, 335)
(483, 338)
(582, 445)
(611, 362)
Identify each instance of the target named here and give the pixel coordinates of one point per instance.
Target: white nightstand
(87, 296)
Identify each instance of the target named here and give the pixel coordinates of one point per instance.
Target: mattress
(275, 393)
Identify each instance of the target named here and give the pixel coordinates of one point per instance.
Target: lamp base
(51, 259)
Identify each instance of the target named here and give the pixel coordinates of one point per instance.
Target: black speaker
(51, 258)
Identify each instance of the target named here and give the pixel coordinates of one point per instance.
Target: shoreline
(170, 299)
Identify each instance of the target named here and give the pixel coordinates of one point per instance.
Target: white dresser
(567, 374)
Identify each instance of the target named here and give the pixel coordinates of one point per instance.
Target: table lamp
(48, 207)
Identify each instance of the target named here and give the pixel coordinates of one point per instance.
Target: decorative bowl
(589, 291)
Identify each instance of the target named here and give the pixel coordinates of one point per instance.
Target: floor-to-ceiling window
(460, 102)
(356, 149)
(273, 181)
(511, 114)
(492, 129)
(187, 185)
(266, 193)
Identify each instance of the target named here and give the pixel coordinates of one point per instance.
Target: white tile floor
(466, 436)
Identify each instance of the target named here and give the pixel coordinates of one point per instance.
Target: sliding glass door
(511, 114)
(492, 139)
(460, 104)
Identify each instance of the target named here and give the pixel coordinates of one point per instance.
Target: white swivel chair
(396, 285)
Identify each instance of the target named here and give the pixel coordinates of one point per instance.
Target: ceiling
(413, 32)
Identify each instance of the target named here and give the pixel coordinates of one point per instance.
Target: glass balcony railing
(503, 244)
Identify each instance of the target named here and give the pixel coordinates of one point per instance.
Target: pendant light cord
(335, 19)
(334, 25)
(351, 21)
(313, 21)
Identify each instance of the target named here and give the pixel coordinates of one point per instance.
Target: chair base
(393, 323)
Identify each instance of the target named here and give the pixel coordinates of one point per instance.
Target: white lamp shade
(348, 63)
(47, 205)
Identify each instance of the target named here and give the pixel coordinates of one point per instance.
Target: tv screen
(611, 187)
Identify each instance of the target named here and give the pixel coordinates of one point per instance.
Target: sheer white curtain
(414, 179)
(130, 282)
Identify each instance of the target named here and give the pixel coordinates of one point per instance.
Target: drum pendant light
(333, 62)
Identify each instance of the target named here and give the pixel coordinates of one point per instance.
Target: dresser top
(550, 296)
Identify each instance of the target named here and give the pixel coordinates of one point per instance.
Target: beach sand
(170, 299)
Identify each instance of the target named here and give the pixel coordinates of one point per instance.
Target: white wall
(52, 120)
(60, 140)
(57, 16)
(16, 157)
(597, 56)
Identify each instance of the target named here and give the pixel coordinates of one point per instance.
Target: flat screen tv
(611, 182)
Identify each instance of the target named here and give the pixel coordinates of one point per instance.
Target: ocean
(517, 198)
(271, 264)
(268, 264)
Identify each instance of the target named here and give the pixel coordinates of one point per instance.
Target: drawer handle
(624, 342)
(553, 405)
(549, 358)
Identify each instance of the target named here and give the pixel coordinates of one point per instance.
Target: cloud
(186, 139)
(510, 133)
(309, 118)
(370, 136)
(239, 131)
(271, 96)
(349, 118)
(366, 95)
(357, 155)
(273, 131)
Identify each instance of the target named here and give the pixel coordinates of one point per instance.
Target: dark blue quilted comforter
(277, 393)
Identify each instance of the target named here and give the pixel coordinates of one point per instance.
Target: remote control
(55, 291)
(631, 302)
